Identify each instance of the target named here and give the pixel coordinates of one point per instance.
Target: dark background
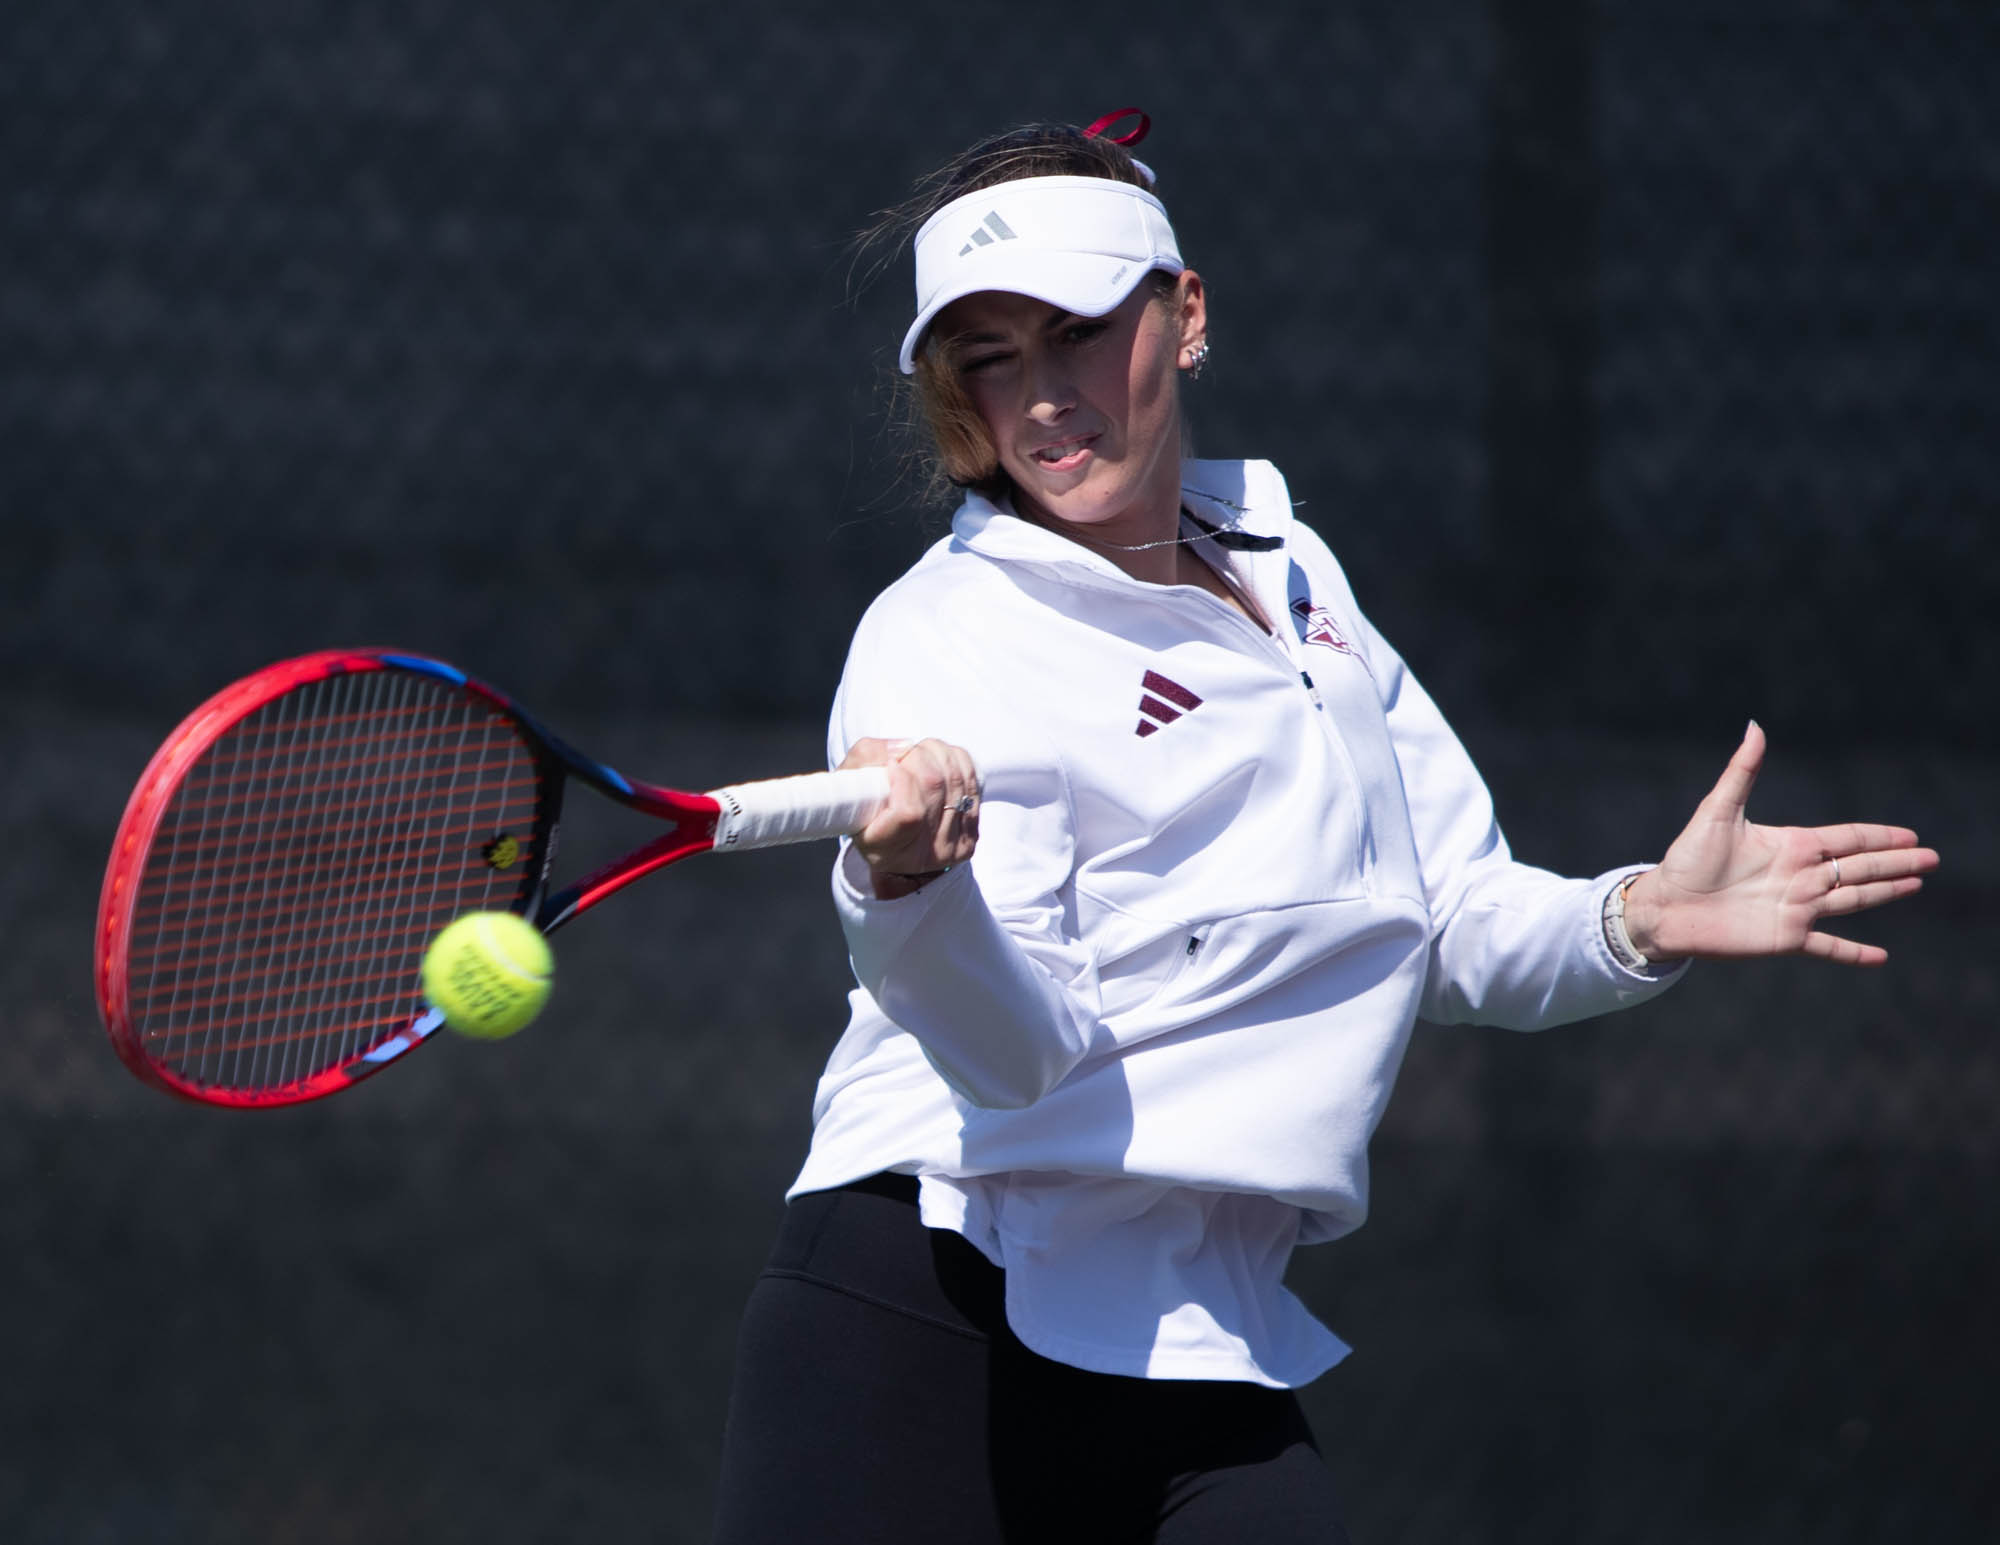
(1640, 362)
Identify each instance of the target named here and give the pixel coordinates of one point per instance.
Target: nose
(1050, 391)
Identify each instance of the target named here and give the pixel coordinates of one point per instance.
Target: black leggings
(879, 1396)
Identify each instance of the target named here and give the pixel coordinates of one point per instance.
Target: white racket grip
(775, 811)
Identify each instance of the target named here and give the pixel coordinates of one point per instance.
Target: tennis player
(1178, 850)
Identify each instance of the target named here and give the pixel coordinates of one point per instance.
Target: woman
(1176, 852)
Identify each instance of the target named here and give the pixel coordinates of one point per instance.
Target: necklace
(1222, 536)
(1140, 547)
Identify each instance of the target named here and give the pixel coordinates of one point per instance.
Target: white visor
(1080, 243)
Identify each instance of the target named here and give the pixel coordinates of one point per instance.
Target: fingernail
(898, 747)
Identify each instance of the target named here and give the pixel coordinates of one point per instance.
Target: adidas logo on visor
(988, 231)
(1162, 701)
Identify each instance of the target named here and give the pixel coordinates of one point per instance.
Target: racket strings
(304, 863)
(246, 857)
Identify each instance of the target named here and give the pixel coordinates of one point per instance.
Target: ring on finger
(1836, 870)
(965, 804)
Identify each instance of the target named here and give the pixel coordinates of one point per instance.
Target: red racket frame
(692, 819)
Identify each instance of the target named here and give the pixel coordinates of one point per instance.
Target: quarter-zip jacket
(1136, 1047)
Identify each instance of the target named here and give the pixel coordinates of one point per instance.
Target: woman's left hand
(1728, 889)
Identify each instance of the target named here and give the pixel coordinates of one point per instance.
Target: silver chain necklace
(1223, 536)
(1140, 547)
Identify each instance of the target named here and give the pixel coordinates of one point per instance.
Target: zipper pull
(1311, 690)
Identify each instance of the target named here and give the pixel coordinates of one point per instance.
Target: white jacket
(1136, 1048)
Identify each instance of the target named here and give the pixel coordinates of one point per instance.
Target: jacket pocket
(1207, 969)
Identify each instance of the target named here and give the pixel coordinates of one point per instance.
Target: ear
(1191, 310)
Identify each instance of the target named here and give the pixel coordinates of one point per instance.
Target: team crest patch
(1318, 627)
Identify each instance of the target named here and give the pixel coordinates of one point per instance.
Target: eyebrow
(1056, 317)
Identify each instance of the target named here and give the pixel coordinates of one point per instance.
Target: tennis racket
(294, 846)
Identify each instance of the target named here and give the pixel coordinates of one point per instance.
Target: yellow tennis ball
(489, 972)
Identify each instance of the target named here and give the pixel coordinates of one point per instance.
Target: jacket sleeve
(1511, 945)
(978, 966)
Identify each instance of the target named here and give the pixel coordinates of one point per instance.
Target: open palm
(1728, 888)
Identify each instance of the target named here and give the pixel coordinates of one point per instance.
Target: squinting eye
(983, 362)
(1083, 332)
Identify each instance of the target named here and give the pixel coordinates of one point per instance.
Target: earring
(1197, 357)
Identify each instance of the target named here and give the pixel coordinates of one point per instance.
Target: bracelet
(1622, 949)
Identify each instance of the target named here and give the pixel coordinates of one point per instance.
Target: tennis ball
(489, 972)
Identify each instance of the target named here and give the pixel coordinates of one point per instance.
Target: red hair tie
(1131, 136)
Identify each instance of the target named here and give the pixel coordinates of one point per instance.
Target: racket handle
(801, 809)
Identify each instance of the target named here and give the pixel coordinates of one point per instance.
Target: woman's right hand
(931, 820)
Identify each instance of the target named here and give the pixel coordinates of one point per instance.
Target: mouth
(1063, 455)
